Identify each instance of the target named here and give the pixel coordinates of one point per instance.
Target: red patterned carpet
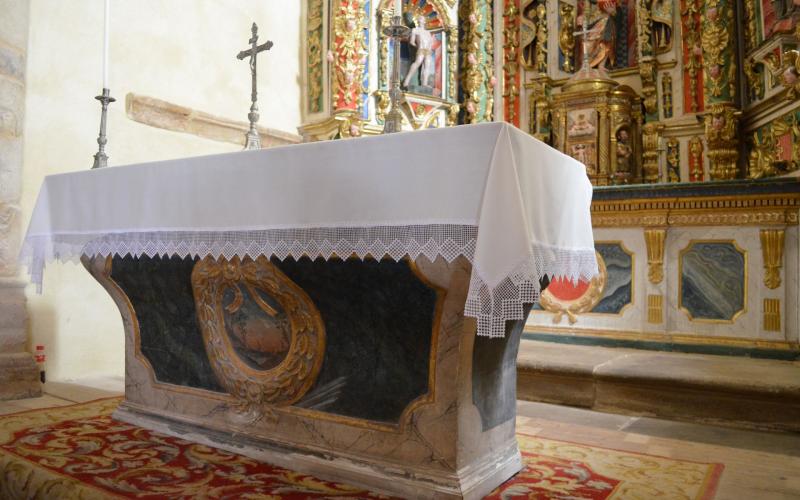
(80, 452)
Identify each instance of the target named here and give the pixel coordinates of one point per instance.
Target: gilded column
(651, 137)
(477, 48)
(315, 56)
(19, 376)
(720, 77)
(511, 72)
(604, 167)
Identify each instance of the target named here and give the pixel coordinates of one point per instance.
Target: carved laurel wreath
(583, 304)
(292, 378)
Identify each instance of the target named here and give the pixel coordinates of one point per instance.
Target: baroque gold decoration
(755, 81)
(477, 47)
(750, 25)
(647, 72)
(539, 102)
(349, 55)
(566, 36)
(721, 124)
(511, 55)
(583, 304)
(772, 315)
(716, 42)
(654, 239)
(777, 209)
(696, 159)
(655, 309)
(651, 137)
(264, 336)
(666, 92)
(692, 54)
(789, 74)
(775, 148)
(314, 55)
(673, 160)
(772, 243)
(645, 24)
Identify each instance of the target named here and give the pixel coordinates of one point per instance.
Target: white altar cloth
(515, 207)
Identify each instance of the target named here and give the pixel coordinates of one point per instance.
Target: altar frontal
(350, 309)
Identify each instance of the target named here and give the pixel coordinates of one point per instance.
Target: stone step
(726, 390)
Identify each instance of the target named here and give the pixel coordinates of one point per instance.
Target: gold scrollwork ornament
(257, 391)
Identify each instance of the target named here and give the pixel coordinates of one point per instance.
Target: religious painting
(586, 153)
(612, 34)
(618, 290)
(581, 123)
(581, 137)
(257, 326)
(712, 282)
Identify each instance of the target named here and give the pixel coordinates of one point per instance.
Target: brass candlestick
(394, 118)
(101, 158)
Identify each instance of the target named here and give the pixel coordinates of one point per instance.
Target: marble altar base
(396, 393)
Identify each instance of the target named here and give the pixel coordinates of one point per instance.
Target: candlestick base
(101, 158)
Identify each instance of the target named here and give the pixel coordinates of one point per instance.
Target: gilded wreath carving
(264, 336)
(583, 304)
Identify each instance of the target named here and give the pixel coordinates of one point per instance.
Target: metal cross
(253, 140)
(585, 31)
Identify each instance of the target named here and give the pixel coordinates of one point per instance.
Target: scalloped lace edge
(490, 306)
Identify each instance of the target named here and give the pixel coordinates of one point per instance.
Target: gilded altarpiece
(688, 99)
(348, 63)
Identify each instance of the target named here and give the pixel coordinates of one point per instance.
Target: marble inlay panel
(618, 290)
(378, 320)
(160, 290)
(713, 280)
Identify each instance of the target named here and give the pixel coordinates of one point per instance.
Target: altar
(350, 309)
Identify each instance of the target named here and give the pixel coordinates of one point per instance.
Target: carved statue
(527, 33)
(789, 73)
(602, 36)
(566, 36)
(533, 35)
(422, 39)
(661, 14)
(624, 152)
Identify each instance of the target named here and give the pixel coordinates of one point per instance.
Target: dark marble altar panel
(713, 280)
(494, 374)
(160, 291)
(378, 319)
(619, 268)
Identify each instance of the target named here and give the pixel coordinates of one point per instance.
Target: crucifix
(583, 34)
(253, 140)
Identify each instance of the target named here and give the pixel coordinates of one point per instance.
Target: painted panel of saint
(612, 34)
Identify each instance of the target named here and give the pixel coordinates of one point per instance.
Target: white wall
(182, 51)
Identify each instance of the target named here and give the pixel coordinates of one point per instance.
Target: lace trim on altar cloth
(491, 307)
